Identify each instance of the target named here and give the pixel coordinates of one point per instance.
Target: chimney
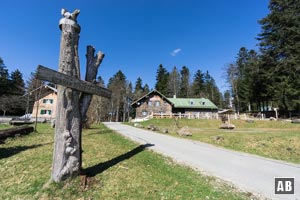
(174, 96)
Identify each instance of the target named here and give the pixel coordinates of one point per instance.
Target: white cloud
(175, 52)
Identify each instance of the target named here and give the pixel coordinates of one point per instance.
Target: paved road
(247, 172)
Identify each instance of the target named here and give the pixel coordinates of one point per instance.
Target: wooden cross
(66, 139)
(73, 97)
(52, 76)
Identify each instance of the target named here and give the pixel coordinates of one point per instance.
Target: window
(49, 101)
(144, 113)
(192, 102)
(203, 103)
(45, 112)
(149, 103)
(157, 103)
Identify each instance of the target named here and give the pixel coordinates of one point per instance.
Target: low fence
(200, 115)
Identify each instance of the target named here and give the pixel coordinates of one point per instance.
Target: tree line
(269, 78)
(259, 80)
(12, 88)
(177, 83)
(180, 83)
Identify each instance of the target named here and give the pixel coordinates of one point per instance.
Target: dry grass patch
(273, 139)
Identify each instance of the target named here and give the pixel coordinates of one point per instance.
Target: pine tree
(146, 89)
(211, 90)
(185, 82)
(100, 81)
(4, 79)
(162, 77)
(247, 66)
(138, 88)
(198, 84)
(280, 48)
(17, 83)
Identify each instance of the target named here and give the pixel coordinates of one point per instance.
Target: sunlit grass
(273, 139)
(4, 126)
(116, 169)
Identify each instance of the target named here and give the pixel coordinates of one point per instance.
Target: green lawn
(116, 168)
(273, 139)
(4, 126)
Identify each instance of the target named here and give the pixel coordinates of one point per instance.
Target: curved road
(248, 172)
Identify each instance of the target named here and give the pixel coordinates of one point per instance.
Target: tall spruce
(198, 84)
(138, 88)
(4, 78)
(184, 82)
(280, 48)
(162, 77)
(247, 66)
(146, 89)
(17, 83)
(211, 91)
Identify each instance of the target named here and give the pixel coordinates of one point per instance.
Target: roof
(41, 88)
(54, 89)
(181, 102)
(193, 103)
(147, 95)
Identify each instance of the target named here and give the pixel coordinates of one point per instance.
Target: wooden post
(67, 154)
(71, 107)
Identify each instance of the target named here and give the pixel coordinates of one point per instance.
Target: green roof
(192, 103)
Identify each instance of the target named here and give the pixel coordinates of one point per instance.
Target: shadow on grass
(10, 151)
(101, 167)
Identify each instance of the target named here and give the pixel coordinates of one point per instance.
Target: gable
(153, 95)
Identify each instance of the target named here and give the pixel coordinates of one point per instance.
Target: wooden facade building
(155, 103)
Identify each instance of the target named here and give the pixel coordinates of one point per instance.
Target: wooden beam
(46, 74)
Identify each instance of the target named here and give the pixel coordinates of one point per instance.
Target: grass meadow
(116, 168)
(272, 139)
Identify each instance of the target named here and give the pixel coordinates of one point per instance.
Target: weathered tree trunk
(92, 65)
(117, 113)
(71, 108)
(67, 155)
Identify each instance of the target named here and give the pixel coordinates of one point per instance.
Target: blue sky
(136, 36)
